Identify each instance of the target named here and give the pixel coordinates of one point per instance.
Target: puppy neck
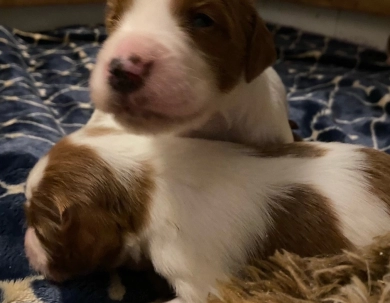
(259, 106)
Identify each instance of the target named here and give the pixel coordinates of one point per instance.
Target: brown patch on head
(303, 223)
(114, 11)
(81, 211)
(236, 42)
(377, 171)
(292, 150)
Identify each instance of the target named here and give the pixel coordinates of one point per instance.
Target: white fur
(254, 113)
(35, 252)
(212, 199)
(258, 111)
(34, 177)
(195, 85)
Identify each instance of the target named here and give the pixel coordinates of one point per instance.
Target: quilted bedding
(337, 92)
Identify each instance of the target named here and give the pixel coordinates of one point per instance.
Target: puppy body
(197, 209)
(202, 69)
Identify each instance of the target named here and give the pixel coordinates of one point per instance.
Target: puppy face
(166, 63)
(81, 215)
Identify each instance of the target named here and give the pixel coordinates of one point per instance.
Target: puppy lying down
(197, 209)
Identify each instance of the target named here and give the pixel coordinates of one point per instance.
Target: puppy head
(166, 63)
(81, 215)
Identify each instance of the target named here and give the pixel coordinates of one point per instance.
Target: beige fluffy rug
(352, 277)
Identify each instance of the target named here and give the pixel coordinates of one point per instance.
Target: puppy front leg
(188, 268)
(192, 284)
(187, 293)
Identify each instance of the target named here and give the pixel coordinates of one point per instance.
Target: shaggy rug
(352, 277)
(337, 92)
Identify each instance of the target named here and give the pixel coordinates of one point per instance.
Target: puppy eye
(201, 20)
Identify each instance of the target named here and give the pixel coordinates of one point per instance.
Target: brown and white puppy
(197, 209)
(197, 68)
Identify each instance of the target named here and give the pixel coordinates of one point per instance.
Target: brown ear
(70, 219)
(91, 227)
(111, 17)
(114, 11)
(261, 49)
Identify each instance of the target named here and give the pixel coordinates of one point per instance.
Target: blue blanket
(337, 92)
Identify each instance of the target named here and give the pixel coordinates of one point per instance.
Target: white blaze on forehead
(35, 177)
(156, 20)
(149, 16)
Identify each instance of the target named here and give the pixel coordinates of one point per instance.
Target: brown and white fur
(195, 68)
(197, 209)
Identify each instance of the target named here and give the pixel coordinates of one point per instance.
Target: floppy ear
(114, 11)
(261, 52)
(93, 236)
(111, 17)
(70, 218)
(89, 227)
(77, 231)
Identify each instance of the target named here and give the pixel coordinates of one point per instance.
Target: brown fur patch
(305, 224)
(294, 150)
(114, 11)
(237, 43)
(377, 170)
(81, 212)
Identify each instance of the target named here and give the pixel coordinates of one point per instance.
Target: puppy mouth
(136, 108)
(151, 107)
(120, 85)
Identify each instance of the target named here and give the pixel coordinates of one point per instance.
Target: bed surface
(337, 92)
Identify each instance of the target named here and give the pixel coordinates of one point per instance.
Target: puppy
(194, 68)
(197, 209)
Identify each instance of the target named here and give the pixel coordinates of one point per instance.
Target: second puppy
(197, 209)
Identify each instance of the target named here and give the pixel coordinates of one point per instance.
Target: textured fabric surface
(350, 277)
(337, 92)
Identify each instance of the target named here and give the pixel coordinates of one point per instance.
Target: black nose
(122, 79)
